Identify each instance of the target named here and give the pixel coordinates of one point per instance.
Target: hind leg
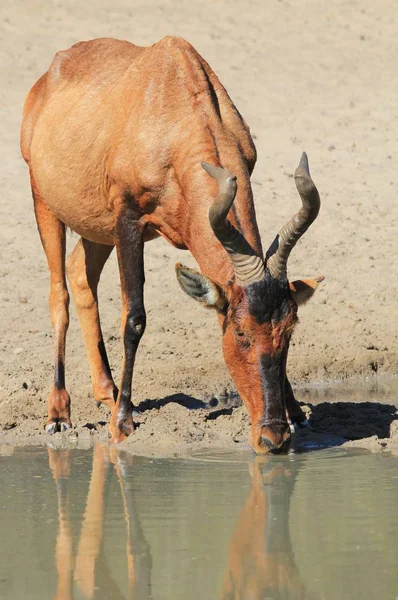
(52, 234)
(84, 267)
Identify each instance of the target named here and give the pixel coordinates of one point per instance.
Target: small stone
(18, 350)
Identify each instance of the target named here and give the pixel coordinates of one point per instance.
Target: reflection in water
(60, 466)
(89, 567)
(261, 562)
(221, 525)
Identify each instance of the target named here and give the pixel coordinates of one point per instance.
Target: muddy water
(222, 525)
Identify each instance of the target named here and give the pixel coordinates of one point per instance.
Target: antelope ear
(201, 288)
(303, 289)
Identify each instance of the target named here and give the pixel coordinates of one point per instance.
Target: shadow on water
(260, 559)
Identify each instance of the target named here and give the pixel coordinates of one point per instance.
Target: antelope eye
(244, 340)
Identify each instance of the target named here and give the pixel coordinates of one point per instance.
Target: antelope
(125, 144)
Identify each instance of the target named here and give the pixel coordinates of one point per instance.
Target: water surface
(222, 525)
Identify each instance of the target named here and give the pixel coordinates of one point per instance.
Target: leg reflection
(89, 569)
(59, 461)
(90, 542)
(139, 558)
(261, 562)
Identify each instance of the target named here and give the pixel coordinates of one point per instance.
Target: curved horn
(279, 251)
(248, 265)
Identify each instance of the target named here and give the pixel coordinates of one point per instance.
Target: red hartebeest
(115, 136)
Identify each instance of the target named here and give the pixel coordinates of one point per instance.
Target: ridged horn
(280, 249)
(248, 265)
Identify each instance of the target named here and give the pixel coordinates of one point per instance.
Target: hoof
(56, 426)
(297, 425)
(123, 429)
(52, 428)
(58, 411)
(304, 424)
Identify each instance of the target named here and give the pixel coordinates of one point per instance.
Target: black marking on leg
(104, 357)
(59, 375)
(130, 250)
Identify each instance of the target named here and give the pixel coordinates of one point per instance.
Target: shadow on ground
(366, 424)
(332, 424)
(214, 404)
(353, 420)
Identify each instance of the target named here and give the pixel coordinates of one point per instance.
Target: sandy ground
(313, 75)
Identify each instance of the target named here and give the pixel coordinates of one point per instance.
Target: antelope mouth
(271, 442)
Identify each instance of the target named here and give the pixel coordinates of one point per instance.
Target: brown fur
(89, 141)
(114, 135)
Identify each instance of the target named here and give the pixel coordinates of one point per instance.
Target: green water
(94, 524)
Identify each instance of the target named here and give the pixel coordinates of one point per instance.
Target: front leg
(130, 253)
(294, 411)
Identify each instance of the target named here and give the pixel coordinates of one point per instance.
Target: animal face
(257, 323)
(258, 307)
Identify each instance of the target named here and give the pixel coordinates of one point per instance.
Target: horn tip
(210, 169)
(179, 266)
(302, 173)
(303, 164)
(207, 167)
(219, 173)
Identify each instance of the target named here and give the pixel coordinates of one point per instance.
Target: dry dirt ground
(313, 75)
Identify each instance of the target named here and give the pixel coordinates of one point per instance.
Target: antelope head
(257, 307)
